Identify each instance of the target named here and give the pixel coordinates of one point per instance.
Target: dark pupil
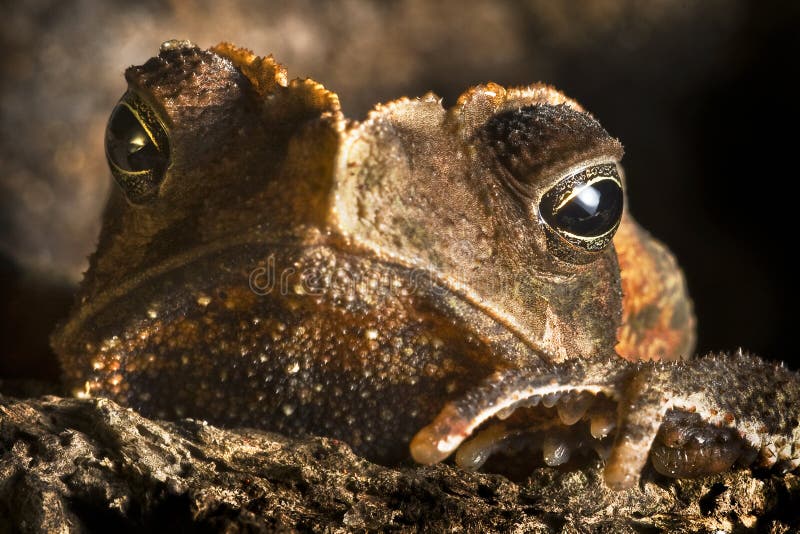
(593, 211)
(127, 143)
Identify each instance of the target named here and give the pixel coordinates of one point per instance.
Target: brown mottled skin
(393, 282)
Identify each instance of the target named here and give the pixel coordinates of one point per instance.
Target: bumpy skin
(392, 283)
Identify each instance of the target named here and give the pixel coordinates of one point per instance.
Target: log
(90, 465)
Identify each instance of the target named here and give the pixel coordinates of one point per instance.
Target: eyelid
(142, 122)
(578, 190)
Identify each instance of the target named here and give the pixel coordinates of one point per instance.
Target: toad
(424, 283)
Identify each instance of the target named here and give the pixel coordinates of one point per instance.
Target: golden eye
(137, 148)
(582, 212)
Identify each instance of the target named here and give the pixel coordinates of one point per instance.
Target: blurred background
(702, 95)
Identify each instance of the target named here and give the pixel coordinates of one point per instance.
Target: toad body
(426, 282)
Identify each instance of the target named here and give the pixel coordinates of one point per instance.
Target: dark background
(702, 95)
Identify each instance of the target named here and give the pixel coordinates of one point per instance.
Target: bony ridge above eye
(137, 148)
(582, 212)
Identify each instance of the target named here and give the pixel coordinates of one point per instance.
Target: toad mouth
(501, 324)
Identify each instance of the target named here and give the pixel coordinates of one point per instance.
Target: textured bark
(70, 465)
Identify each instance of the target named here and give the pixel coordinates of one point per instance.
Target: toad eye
(581, 213)
(137, 148)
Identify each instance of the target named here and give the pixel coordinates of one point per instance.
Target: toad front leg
(759, 401)
(690, 418)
